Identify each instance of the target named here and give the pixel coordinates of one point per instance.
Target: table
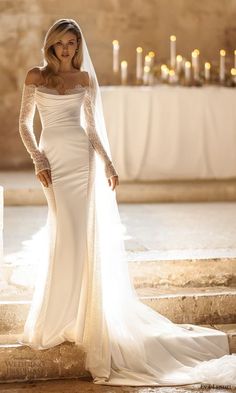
(166, 132)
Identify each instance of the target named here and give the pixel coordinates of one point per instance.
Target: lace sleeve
(26, 117)
(93, 135)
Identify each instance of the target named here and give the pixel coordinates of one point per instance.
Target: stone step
(186, 305)
(156, 269)
(23, 188)
(22, 363)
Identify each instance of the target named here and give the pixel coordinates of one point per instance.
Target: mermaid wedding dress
(83, 292)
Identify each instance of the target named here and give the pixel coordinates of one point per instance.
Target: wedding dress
(83, 292)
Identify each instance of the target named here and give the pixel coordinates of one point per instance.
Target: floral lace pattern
(27, 112)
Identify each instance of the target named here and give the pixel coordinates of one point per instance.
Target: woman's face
(65, 47)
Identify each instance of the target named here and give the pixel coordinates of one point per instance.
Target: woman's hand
(45, 177)
(113, 181)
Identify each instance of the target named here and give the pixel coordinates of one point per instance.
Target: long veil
(127, 342)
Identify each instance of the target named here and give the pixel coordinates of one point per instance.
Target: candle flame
(197, 51)
(171, 72)
(233, 71)
(222, 52)
(124, 64)
(187, 64)
(146, 68)
(207, 66)
(151, 54)
(164, 67)
(179, 58)
(235, 51)
(139, 49)
(173, 38)
(115, 43)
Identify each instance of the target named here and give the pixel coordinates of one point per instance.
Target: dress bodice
(66, 107)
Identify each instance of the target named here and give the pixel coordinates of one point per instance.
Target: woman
(83, 291)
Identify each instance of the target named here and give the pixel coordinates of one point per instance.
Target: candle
(233, 74)
(172, 50)
(151, 54)
(207, 69)
(195, 63)
(124, 72)
(235, 59)
(222, 65)
(179, 60)
(172, 76)
(139, 62)
(146, 71)
(115, 55)
(187, 71)
(164, 72)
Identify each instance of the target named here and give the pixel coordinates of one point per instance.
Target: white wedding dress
(80, 294)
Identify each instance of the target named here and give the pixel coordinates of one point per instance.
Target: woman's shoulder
(33, 76)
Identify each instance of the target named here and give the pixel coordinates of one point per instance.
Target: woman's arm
(26, 117)
(92, 133)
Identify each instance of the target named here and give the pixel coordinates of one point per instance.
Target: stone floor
(82, 386)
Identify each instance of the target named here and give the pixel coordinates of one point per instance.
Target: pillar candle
(124, 72)
(222, 65)
(187, 71)
(207, 71)
(139, 62)
(116, 48)
(172, 50)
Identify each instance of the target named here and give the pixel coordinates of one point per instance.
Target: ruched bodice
(59, 110)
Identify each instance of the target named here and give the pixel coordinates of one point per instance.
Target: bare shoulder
(33, 76)
(85, 78)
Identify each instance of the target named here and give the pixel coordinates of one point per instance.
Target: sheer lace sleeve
(26, 118)
(93, 135)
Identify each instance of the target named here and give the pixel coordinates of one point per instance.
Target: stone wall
(208, 25)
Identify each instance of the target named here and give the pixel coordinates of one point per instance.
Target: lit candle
(124, 72)
(195, 64)
(147, 61)
(139, 62)
(187, 71)
(235, 59)
(233, 74)
(151, 54)
(164, 72)
(222, 65)
(172, 76)
(172, 50)
(179, 60)
(207, 69)
(146, 71)
(115, 55)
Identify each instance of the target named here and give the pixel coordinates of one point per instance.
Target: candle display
(207, 70)
(139, 63)
(222, 65)
(172, 50)
(116, 48)
(124, 72)
(178, 69)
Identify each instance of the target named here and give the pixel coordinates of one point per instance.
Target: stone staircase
(198, 291)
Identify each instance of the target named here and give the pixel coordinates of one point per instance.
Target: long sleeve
(26, 117)
(94, 137)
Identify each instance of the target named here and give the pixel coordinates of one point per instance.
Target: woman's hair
(50, 61)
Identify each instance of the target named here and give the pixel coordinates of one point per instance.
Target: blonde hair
(50, 61)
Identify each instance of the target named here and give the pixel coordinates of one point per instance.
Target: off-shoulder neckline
(58, 95)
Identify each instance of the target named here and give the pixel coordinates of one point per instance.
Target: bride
(83, 292)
